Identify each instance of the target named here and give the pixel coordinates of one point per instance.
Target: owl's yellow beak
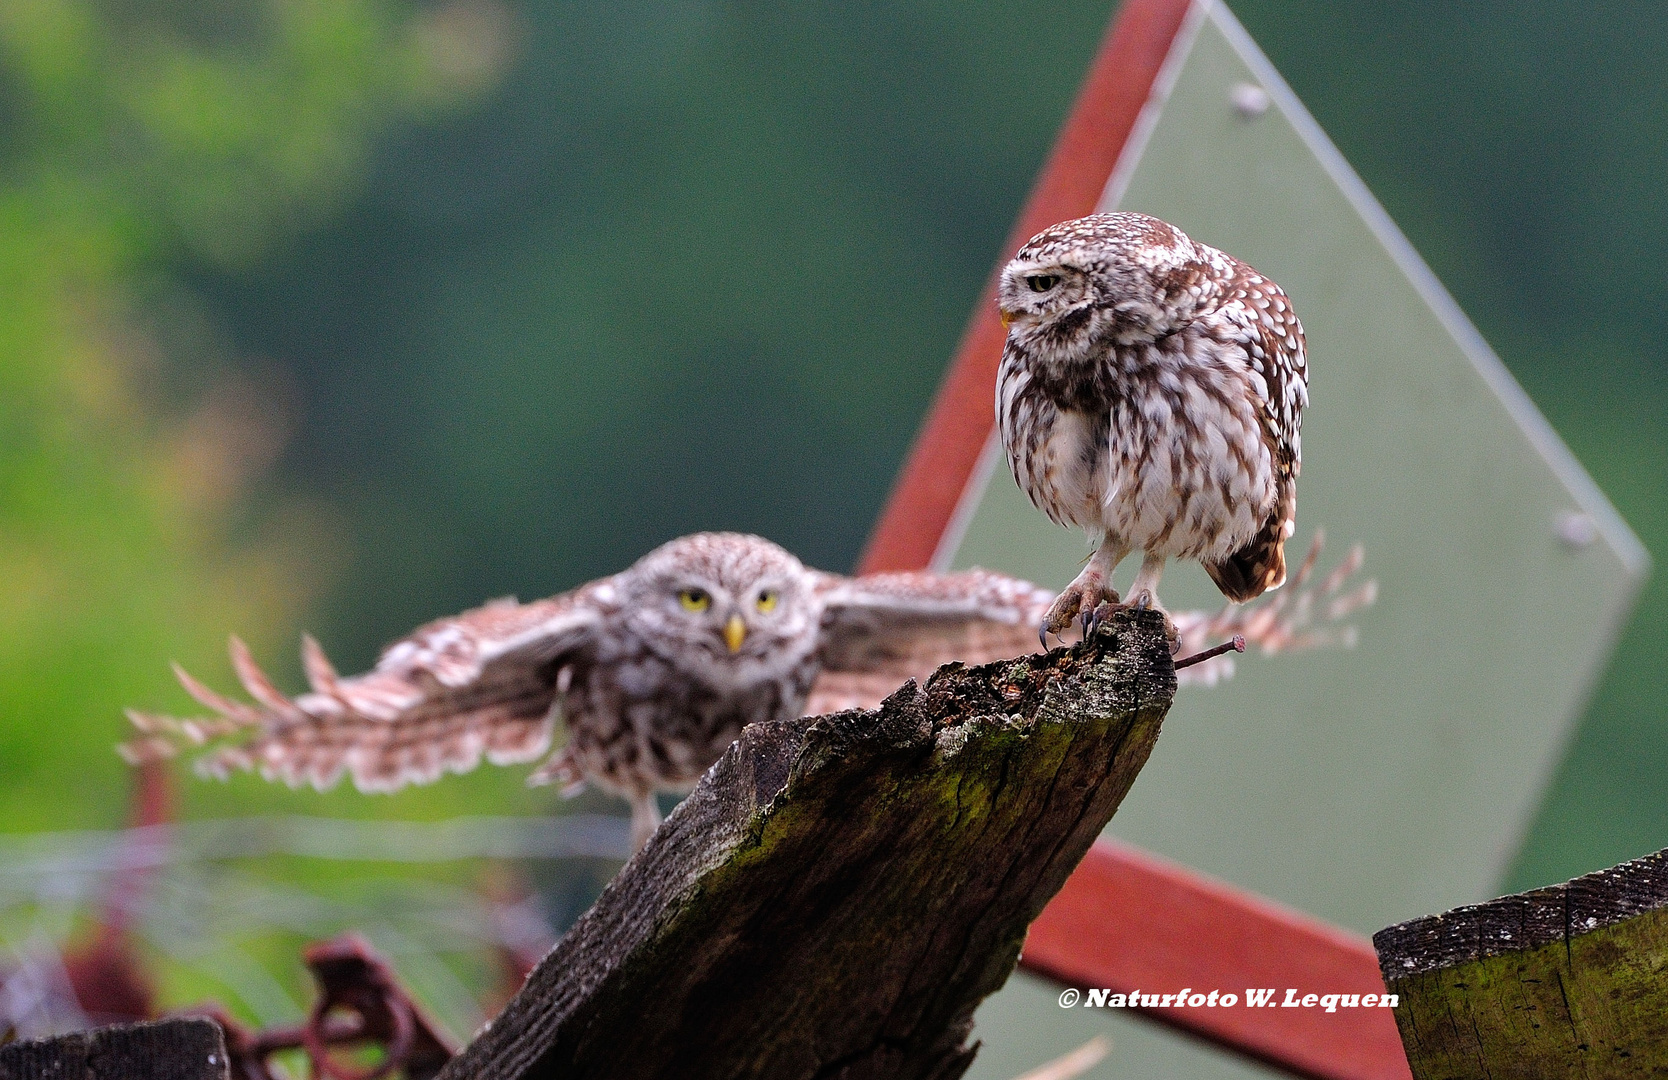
(1006, 316)
(735, 632)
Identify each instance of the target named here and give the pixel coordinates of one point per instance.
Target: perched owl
(653, 671)
(1151, 391)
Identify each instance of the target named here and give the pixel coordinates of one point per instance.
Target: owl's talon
(1144, 600)
(1066, 606)
(1106, 608)
(1086, 601)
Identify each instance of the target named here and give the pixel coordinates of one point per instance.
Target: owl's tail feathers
(1255, 568)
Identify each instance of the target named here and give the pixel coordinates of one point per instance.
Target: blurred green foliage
(137, 136)
(691, 264)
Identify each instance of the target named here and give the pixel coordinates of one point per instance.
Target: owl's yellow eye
(695, 599)
(767, 600)
(1042, 282)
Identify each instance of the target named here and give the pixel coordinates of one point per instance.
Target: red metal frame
(1127, 920)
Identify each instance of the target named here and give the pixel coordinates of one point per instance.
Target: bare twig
(1236, 645)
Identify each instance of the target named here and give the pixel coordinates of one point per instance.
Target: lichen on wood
(1570, 980)
(839, 893)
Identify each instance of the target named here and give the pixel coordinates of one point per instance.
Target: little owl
(1151, 392)
(653, 671)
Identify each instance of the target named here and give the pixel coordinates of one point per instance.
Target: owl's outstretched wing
(480, 683)
(882, 629)
(1298, 617)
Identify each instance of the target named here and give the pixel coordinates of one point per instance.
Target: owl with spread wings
(653, 672)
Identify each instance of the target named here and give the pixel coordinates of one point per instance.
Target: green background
(346, 314)
(702, 266)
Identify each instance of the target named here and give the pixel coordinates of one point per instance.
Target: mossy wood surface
(192, 1049)
(840, 893)
(1565, 981)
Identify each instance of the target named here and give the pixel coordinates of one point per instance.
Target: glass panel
(1398, 778)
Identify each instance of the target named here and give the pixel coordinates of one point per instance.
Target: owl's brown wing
(882, 629)
(480, 683)
(1258, 317)
(885, 628)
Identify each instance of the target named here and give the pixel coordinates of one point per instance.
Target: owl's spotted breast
(639, 721)
(1161, 448)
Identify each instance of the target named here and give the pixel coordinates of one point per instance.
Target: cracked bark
(1562, 981)
(839, 893)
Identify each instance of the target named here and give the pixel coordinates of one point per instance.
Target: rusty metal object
(360, 1003)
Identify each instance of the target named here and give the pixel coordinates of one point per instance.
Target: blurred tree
(135, 134)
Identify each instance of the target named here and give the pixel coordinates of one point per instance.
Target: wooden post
(840, 893)
(1570, 980)
(191, 1049)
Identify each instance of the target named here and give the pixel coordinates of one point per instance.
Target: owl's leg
(1088, 590)
(559, 768)
(645, 818)
(1143, 593)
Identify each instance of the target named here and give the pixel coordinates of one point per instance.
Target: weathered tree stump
(190, 1049)
(840, 893)
(1570, 980)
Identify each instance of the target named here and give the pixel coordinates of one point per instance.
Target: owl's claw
(1145, 601)
(1093, 617)
(1080, 602)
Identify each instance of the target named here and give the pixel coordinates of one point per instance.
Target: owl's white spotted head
(738, 608)
(1082, 284)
